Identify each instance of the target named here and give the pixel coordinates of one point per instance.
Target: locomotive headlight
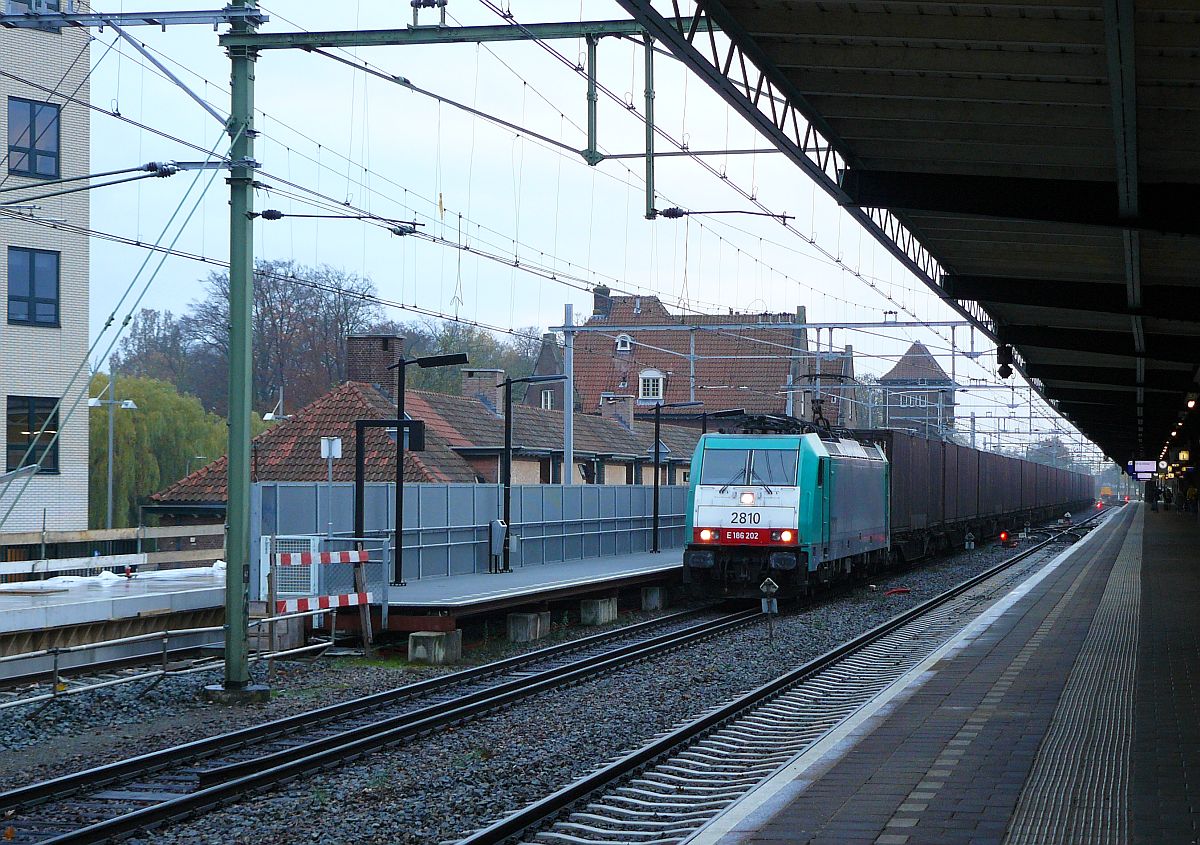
(785, 536)
(747, 498)
(706, 534)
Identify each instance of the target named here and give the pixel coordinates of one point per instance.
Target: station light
(1004, 357)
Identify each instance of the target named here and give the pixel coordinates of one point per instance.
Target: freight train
(806, 509)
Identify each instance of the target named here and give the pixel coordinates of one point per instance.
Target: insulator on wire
(272, 214)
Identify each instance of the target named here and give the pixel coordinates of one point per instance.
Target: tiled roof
(917, 363)
(465, 422)
(291, 450)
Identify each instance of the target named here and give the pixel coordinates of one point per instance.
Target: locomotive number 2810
(745, 518)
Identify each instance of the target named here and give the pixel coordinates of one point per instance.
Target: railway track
(123, 798)
(40, 687)
(667, 790)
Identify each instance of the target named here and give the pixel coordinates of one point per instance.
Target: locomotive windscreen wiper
(741, 474)
(754, 475)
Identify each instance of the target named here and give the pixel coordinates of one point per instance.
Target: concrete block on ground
(598, 611)
(289, 633)
(653, 598)
(527, 627)
(435, 647)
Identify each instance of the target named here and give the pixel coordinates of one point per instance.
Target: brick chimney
(368, 357)
(484, 385)
(601, 301)
(619, 407)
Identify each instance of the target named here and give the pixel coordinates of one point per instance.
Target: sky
(367, 143)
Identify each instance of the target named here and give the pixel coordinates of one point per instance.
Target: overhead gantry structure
(1035, 163)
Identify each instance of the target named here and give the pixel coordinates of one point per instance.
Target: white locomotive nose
(747, 498)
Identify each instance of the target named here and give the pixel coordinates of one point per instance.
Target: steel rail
(237, 780)
(538, 813)
(157, 760)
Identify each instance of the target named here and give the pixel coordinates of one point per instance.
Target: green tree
(152, 446)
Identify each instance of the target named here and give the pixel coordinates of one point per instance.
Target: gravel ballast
(100, 726)
(444, 786)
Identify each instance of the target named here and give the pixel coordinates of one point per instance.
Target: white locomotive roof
(853, 449)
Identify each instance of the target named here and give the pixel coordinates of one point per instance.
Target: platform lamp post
(506, 457)
(657, 447)
(425, 362)
(111, 402)
(717, 415)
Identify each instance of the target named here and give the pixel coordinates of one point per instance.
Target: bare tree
(300, 319)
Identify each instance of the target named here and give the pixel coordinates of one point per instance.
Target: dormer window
(650, 385)
(624, 343)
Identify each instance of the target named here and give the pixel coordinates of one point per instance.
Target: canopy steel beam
(1165, 207)
(1110, 397)
(1167, 302)
(1154, 379)
(1173, 349)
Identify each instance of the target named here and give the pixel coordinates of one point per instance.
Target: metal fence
(446, 525)
(323, 579)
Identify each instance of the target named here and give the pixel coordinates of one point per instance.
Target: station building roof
(1035, 163)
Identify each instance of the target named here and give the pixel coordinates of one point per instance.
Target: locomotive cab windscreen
(749, 467)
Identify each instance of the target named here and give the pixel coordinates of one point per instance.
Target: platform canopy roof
(1037, 163)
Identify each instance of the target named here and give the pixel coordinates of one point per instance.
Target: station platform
(481, 592)
(67, 601)
(1065, 714)
(74, 610)
(71, 610)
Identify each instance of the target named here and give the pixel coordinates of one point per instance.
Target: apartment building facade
(44, 281)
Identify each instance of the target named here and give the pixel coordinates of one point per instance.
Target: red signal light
(1099, 505)
(1003, 536)
(1127, 498)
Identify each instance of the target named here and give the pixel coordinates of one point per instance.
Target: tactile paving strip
(1078, 789)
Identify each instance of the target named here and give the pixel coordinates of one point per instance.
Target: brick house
(918, 393)
(657, 356)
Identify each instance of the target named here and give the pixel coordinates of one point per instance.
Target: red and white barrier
(321, 602)
(308, 558)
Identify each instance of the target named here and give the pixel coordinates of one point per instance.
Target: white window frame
(547, 399)
(648, 378)
(624, 343)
